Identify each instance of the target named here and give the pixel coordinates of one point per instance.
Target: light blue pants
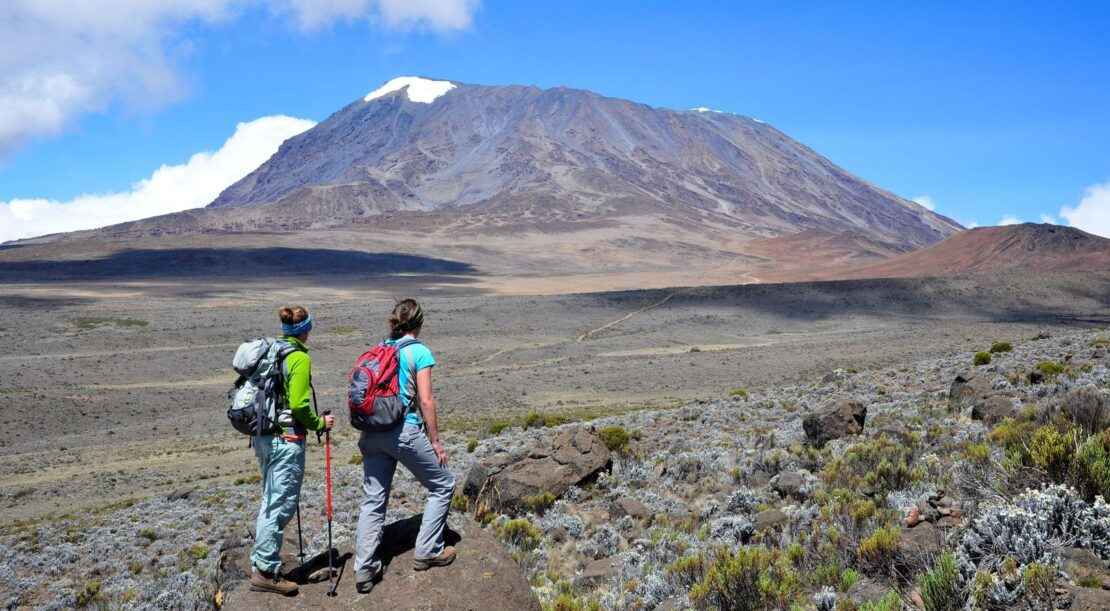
(282, 465)
(381, 452)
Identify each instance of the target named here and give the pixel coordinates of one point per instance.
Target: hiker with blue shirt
(280, 454)
(415, 443)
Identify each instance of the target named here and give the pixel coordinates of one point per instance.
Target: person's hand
(329, 422)
(441, 454)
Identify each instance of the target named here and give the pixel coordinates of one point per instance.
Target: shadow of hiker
(400, 537)
(315, 569)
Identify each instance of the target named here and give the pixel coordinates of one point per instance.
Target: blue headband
(297, 329)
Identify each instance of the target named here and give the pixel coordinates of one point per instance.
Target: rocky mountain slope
(552, 158)
(895, 488)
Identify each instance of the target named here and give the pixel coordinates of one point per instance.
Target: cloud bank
(925, 202)
(1092, 213)
(171, 188)
(60, 59)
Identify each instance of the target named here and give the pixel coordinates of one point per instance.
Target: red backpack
(373, 396)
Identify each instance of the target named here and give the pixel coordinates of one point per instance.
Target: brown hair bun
(407, 316)
(291, 315)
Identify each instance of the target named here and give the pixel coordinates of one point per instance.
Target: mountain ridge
(578, 153)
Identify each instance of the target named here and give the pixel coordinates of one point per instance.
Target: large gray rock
(574, 456)
(483, 576)
(993, 409)
(969, 388)
(843, 418)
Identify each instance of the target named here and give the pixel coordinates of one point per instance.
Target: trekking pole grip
(320, 434)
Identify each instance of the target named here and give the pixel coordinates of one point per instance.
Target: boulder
(993, 409)
(918, 546)
(573, 456)
(769, 519)
(483, 576)
(626, 506)
(968, 389)
(843, 418)
(596, 573)
(791, 484)
(1083, 565)
(1088, 599)
(867, 590)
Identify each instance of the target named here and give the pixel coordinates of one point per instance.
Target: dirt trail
(585, 336)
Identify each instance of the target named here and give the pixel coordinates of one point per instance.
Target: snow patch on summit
(706, 109)
(422, 90)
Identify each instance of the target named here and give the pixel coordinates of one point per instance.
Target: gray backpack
(257, 397)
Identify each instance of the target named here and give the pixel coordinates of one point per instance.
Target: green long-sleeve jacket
(298, 387)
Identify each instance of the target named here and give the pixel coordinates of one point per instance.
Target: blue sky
(991, 110)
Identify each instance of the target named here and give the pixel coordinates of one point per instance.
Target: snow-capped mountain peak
(422, 90)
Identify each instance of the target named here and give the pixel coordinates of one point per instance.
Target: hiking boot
(261, 581)
(365, 587)
(447, 556)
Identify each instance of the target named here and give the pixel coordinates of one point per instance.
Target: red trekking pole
(327, 506)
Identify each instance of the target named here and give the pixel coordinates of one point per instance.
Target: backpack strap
(401, 345)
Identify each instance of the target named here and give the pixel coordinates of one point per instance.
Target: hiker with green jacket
(281, 455)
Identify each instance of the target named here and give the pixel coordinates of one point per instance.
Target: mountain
(513, 158)
(1028, 246)
(526, 189)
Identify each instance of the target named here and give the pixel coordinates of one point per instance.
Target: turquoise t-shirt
(410, 360)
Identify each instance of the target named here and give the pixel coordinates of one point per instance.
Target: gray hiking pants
(381, 452)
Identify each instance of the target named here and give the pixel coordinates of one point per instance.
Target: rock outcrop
(844, 418)
(484, 576)
(573, 456)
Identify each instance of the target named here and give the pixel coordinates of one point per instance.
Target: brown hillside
(1029, 246)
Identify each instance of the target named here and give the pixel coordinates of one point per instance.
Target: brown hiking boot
(447, 556)
(261, 581)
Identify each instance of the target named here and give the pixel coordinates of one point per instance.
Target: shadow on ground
(234, 263)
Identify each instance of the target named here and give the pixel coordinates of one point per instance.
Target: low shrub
(1088, 408)
(687, 570)
(1050, 369)
(1040, 585)
(1051, 451)
(198, 551)
(471, 445)
(355, 459)
(749, 579)
(521, 533)
(879, 550)
(997, 347)
(741, 393)
(940, 587)
(982, 358)
(539, 503)
(89, 593)
(253, 478)
(565, 601)
(534, 420)
(149, 534)
(460, 502)
(497, 426)
(1092, 467)
(891, 602)
(615, 438)
(875, 467)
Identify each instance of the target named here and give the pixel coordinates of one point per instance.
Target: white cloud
(1010, 219)
(1048, 218)
(925, 202)
(170, 188)
(60, 59)
(1092, 214)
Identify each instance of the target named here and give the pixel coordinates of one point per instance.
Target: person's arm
(299, 378)
(428, 411)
